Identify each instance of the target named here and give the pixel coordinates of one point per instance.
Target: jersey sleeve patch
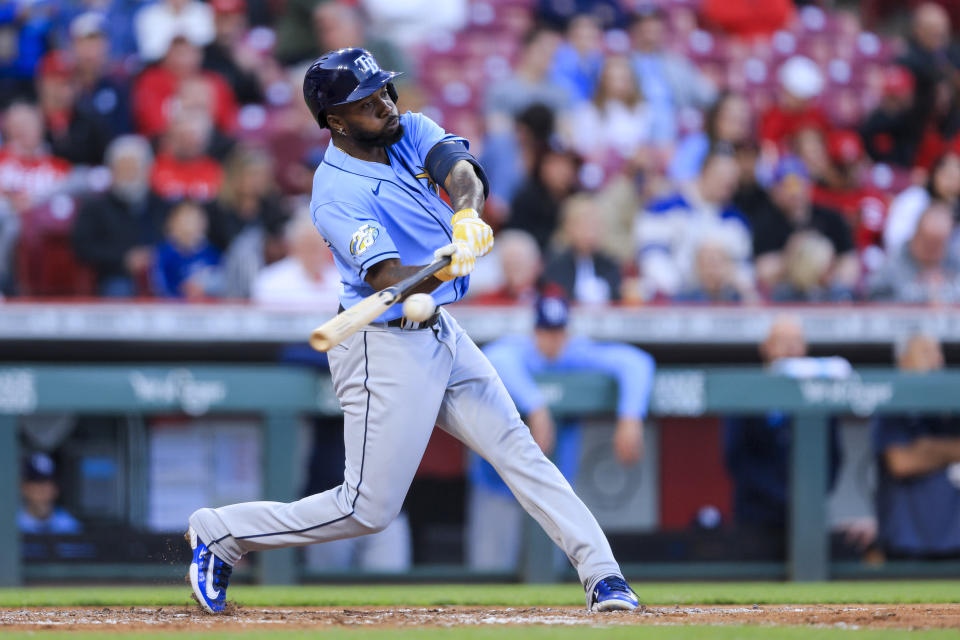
(363, 239)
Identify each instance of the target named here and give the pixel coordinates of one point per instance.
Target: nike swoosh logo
(213, 594)
(376, 191)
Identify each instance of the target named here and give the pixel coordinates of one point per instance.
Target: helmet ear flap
(392, 92)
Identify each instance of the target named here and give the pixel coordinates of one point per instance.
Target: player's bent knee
(200, 516)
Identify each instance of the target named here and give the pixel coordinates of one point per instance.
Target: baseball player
(376, 202)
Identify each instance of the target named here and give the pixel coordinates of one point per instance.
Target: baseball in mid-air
(418, 307)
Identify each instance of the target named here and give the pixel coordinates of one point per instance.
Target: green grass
(654, 593)
(534, 633)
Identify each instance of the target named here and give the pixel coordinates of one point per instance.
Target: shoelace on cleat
(614, 583)
(222, 575)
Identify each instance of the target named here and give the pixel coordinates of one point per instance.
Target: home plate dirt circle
(851, 616)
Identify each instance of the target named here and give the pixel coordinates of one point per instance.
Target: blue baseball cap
(790, 166)
(553, 312)
(37, 467)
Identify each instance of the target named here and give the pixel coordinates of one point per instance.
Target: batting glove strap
(464, 214)
(462, 260)
(476, 233)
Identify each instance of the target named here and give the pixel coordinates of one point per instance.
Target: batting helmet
(343, 76)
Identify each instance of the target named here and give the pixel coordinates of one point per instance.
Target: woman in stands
(617, 121)
(729, 121)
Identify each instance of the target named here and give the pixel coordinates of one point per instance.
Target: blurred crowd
(638, 151)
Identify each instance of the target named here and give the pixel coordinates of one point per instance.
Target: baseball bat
(349, 321)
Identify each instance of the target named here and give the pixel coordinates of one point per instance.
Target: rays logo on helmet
(367, 65)
(554, 311)
(363, 239)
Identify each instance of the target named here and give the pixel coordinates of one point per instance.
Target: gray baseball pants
(393, 386)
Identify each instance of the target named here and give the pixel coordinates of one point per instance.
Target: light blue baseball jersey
(369, 212)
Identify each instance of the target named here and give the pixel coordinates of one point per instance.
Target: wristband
(463, 214)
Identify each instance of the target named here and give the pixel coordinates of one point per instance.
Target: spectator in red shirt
(801, 84)
(836, 164)
(155, 91)
(28, 176)
(748, 18)
(182, 169)
(864, 205)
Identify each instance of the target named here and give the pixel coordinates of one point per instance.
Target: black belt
(403, 323)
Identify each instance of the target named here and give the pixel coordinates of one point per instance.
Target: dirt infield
(192, 619)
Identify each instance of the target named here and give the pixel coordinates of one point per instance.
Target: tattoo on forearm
(464, 187)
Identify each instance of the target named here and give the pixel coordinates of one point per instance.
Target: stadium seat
(46, 264)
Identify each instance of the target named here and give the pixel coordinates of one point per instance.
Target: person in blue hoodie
(186, 263)
(494, 518)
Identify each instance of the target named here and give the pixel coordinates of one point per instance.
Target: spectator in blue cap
(792, 212)
(494, 518)
(39, 491)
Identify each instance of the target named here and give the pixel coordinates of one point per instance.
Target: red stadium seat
(46, 264)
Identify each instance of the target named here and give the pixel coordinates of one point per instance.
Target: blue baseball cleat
(209, 575)
(613, 594)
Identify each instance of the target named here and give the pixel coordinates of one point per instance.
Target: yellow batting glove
(462, 260)
(468, 227)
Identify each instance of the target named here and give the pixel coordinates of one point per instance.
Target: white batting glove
(468, 226)
(462, 260)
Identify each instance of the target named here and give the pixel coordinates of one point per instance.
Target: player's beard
(383, 138)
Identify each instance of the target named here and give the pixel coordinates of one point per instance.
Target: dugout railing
(281, 393)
